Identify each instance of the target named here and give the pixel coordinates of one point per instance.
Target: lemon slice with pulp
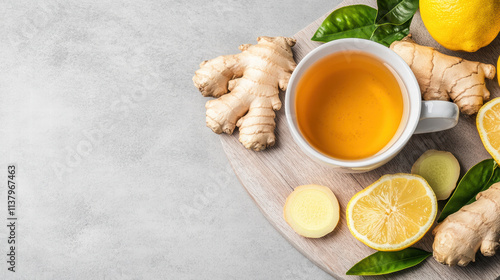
(393, 213)
(488, 126)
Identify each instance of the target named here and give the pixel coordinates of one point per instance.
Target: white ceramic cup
(418, 116)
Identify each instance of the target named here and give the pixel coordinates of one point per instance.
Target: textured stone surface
(118, 177)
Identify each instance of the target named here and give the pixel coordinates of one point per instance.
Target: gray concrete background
(117, 175)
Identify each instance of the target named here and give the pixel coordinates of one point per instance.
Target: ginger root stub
(442, 77)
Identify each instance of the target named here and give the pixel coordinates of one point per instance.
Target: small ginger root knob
(442, 77)
(475, 226)
(252, 77)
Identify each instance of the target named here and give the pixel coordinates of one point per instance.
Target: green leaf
(395, 11)
(387, 262)
(387, 33)
(356, 21)
(479, 178)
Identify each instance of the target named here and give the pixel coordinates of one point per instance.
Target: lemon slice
(393, 213)
(488, 126)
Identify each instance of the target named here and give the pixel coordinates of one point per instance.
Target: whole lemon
(465, 25)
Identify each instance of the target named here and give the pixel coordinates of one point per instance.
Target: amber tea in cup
(353, 105)
(349, 105)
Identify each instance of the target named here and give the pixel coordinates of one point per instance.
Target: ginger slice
(440, 169)
(253, 78)
(442, 77)
(312, 211)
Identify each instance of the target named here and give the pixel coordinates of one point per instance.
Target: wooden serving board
(271, 175)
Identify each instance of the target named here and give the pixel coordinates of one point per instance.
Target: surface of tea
(349, 105)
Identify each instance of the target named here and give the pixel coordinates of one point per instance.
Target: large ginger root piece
(252, 77)
(474, 226)
(442, 77)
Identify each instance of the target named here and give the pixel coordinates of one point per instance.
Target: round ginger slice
(312, 211)
(393, 213)
(440, 169)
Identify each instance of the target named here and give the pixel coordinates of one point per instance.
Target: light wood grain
(270, 176)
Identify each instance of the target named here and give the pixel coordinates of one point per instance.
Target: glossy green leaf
(396, 11)
(361, 21)
(479, 178)
(387, 33)
(387, 262)
(356, 21)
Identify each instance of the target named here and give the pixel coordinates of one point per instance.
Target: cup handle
(437, 115)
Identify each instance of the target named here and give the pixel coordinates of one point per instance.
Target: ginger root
(252, 77)
(442, 77)
(474, 226)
